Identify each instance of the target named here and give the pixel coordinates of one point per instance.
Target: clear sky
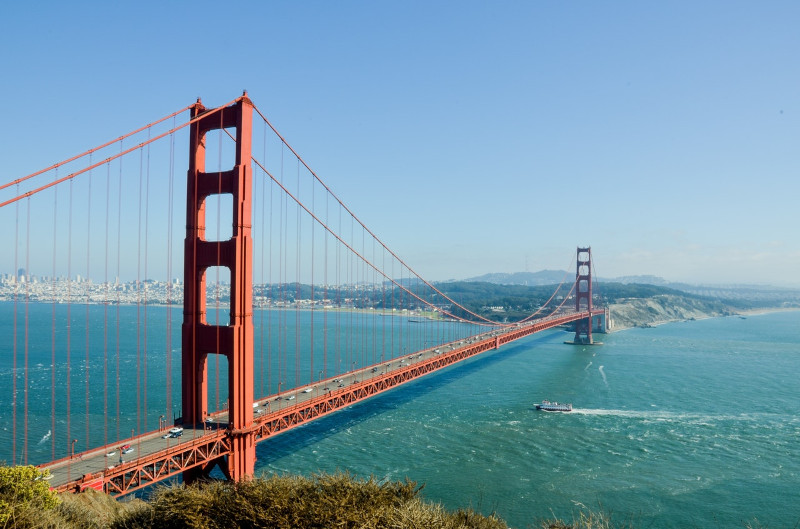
(471, 137)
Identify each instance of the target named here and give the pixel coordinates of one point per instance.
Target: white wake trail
(46, 437)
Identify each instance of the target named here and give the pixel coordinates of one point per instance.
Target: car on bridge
(177, 431)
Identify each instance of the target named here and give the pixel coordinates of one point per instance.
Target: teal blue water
(691, 424)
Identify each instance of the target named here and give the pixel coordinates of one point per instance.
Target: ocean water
(692, 424)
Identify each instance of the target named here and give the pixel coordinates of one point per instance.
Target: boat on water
(546, 405)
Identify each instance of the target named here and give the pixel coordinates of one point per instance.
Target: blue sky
(471, 137)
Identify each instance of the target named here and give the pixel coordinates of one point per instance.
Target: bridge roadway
(156, 456)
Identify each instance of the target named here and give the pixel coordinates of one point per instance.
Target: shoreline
(761, 311)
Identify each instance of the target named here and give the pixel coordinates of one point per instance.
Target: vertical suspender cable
(14, 332)
(145, 278)
(271, 292)
(53, 331)
(355, 317)
(106, 297)
(369, 316)
(170, 213)
(383, 308)
(422, 327)
(373, 294)
(258, 363)
(282, 286)
(338, 353)
(27, 316)
(325, 297)
(402, 320)
(351, 282)
(311, 347)
(361, 278)
(261, 277)
(88, 294)
(351, 292)
(139, 301)
(69, 312)
(285, 280)
(363, 313)
(117, 288)
(392, 349)
(297, 295)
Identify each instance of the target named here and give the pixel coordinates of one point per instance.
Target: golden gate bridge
(292, 308)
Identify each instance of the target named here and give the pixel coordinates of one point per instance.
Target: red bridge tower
(199, 339)
(583, 296)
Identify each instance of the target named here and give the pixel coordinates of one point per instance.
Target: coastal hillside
(647, 305)
(663, 308)
(631, 304)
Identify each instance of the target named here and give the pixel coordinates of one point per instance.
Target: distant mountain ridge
(551, 277)
(542, 277)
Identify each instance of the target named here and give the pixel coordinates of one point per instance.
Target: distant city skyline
(472, 138)
(644, 278)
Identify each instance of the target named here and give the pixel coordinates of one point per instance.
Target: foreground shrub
(291, 502)
(25, 496)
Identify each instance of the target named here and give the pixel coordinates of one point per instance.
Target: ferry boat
(546, 405)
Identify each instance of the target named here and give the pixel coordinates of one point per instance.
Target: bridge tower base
(234, 341)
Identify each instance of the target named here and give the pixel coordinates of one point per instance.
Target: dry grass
(323, 501)
(586, 519)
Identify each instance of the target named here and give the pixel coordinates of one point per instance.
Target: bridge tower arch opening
(200, 338)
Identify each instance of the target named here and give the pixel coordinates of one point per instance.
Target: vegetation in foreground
(321, 501)
(280, 502)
